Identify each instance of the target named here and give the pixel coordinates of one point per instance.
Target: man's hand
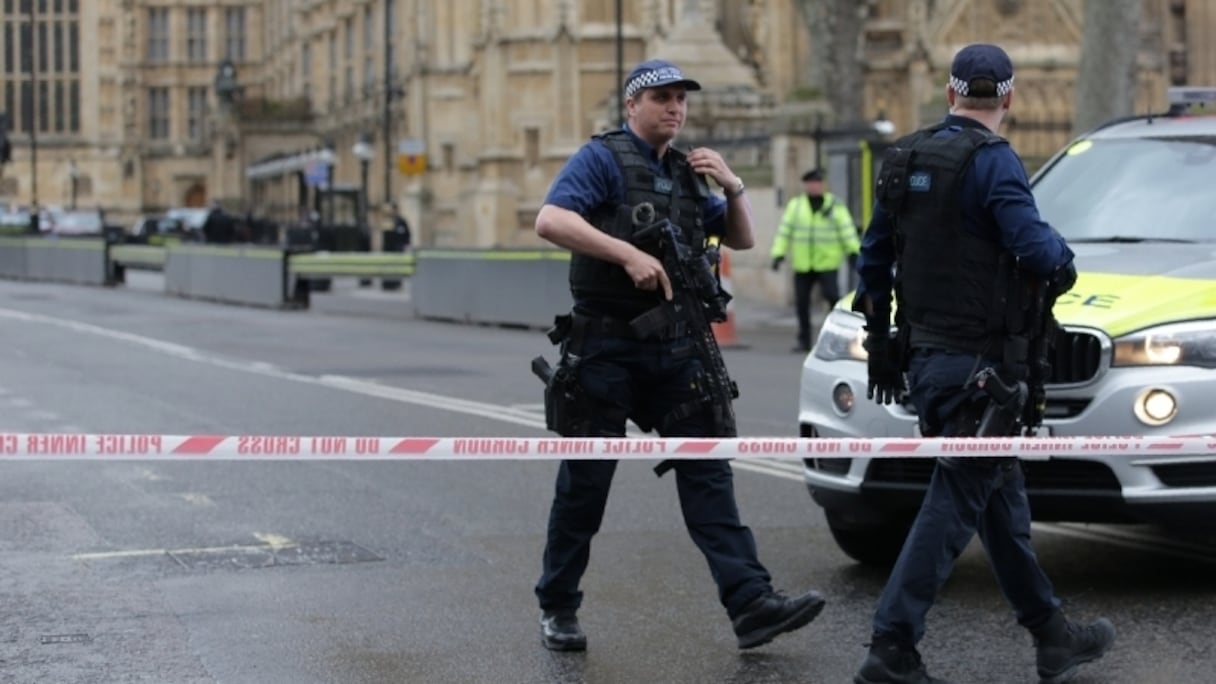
(1062, 280)
(647, 272)
(886, 382)
(777, 262)
(708, 162)
(852, 263)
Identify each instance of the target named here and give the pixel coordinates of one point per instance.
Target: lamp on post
(364, 152)
(884, 126)
(328, 158)
(880, 126)
(74, 176)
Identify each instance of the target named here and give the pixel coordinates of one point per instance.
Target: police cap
(812, 175)
(981, 62)
(654, 73)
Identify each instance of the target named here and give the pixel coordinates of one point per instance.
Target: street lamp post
(364, 152)
(74, 176)
(327, 158)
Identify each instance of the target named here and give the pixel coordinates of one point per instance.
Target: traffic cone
(725, 332)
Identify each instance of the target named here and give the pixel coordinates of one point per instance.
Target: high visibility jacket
(816, 240)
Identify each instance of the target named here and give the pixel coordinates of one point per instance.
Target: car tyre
(870, 543)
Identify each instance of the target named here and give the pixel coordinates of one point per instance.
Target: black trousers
(984, 496)
(645, 381)
(829, 287)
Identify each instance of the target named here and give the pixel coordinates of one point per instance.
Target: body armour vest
(606, 286)
(951, 284)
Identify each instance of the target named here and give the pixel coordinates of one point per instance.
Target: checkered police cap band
(655, 77)
(962, 87)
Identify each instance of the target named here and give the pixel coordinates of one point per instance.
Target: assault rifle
(697, 301)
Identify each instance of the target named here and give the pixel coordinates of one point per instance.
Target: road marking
(197, 499)
(270, 542)
(151, 475)
(274, 541)
(517, 415)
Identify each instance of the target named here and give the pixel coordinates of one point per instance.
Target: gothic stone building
(495, 93)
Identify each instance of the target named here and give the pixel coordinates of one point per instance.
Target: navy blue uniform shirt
(995, 200)
(592, 178)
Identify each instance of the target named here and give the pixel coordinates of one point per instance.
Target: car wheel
(869, 543)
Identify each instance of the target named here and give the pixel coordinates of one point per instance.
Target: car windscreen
(1129, 190)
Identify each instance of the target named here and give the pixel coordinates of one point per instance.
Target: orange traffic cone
(725, 332)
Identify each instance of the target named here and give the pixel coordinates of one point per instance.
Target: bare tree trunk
(1106, 81)
(836, 53)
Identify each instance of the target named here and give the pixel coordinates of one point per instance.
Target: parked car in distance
(75, 223)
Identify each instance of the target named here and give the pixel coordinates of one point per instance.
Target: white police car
(1136, 200)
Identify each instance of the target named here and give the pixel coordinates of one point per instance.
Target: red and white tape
(287, 447)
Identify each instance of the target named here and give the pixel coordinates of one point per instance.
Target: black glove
(1062, 280)
(852, 263)
(777, 262)
(886, 381)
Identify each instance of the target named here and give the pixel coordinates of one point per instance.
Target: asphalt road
(301, 572)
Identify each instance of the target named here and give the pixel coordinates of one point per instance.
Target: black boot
(1062, 646)
(559, 631)
(892, 663)
(771, 614)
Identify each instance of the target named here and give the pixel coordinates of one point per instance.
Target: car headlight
(841, 337)
(1178, 344)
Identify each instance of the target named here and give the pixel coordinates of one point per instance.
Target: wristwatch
(737, 190)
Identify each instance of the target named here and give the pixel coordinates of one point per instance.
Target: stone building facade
(496, 93)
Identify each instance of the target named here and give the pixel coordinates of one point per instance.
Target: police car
(1136, 200)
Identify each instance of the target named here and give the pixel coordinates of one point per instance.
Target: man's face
(814, 188)
(658, 113)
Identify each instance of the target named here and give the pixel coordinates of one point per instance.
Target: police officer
(818, 230)
(650, 379)
(956, 219)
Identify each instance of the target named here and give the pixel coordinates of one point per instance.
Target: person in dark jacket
(956, 234)
(648, 377)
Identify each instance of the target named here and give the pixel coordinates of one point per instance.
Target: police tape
(289, 447)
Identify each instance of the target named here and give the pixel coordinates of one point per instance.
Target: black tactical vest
(952, 285)
(606, 286)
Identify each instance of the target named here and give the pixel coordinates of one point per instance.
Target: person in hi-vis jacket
(817, 233)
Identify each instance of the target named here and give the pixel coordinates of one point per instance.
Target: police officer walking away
(957, 221)
(649, 378)
(819, 230)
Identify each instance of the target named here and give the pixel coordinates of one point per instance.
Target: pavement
(760, 315)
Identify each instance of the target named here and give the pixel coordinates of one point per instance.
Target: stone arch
(195, 196)
(84, 186)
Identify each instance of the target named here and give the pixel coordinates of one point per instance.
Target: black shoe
(771, 614)
(890, 663)
(1062, 646)
(559, 631)
(800, 348)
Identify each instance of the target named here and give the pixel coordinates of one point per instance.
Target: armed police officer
(623, 371)
(957, 235)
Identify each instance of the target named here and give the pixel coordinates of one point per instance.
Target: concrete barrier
(315, 270)
(255, 276)
(81, 261)
(511, 287)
